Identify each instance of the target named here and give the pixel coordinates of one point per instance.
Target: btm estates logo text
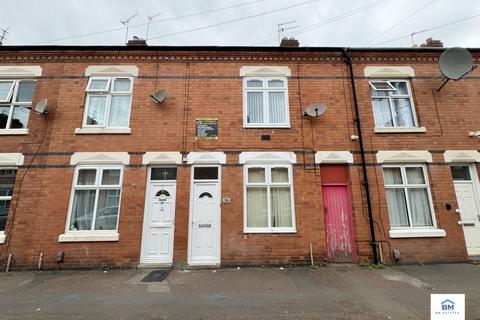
(447, 306)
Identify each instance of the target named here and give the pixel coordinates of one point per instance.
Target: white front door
(205, 224)
(464, 178)
(159, 223)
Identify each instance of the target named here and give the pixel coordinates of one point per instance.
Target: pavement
(325, 292)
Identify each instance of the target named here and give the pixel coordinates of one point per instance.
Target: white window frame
(97, 187)
(268, 184)
(2, 232)
(265, 90)
(390, 97)
(405, 186)
(10, 102)
(108, 94)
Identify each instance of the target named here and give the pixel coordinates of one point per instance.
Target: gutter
(373, 242)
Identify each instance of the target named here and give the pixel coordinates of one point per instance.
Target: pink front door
(338, 219)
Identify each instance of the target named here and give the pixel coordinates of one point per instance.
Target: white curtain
(382, 113)
(254, 107)
(276, 107)
(96, 110)
(279, 175)
(403, 112)
(86, 177)
(107, 209)
(82, 210)
(281, 207)
(415, 175)
(419, 207)
(397, 207)
(392, 175)
(119, 111)
(257, 211)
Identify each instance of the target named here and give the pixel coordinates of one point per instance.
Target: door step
(154, 266)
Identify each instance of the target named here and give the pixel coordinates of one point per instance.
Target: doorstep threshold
(154, 266)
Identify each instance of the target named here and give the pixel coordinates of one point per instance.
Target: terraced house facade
(227, 169)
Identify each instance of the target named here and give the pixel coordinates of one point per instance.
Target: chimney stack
(136, 42)
(430, 43)
(289, 43)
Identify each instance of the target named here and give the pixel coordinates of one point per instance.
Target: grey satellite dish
(41, 107)
(454, 64)
(159, 96)
(315, 110)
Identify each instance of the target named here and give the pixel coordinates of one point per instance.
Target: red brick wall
(215, 90)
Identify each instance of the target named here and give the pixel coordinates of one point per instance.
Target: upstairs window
(392, 104)
(108, 102)
(7, 179)
(266, 102)
(15, 103)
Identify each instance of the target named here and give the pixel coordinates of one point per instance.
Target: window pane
(164, 174)
(96, 110)
(257, 208)
(4, 205)
(381, 85)
(205, 173)
(86, 177)
(401, 88)
(403, 112)
(256, 175)
(111, 177)
(4, 111)
(275, 84)
(107, 209)
(279, 175)
(397, 207)
(276, 107)
(121, 85)
(7, 179)
(460, 173)
(281, 207)
(20, 117)
(415, 175)
(254, 107)
(379, 93)
(392, 175)
(82, 210)
(25, 91)
(119, 111)
(98, 85)
(382, 113)
(5, 89)
(254, 84)
(419, 207)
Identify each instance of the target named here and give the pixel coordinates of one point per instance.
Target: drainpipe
(348, 61)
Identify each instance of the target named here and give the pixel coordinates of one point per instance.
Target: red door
(338, 214)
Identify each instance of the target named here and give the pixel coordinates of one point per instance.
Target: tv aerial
(150, 19)
(315, 110)
(126, 22)
(455, 63)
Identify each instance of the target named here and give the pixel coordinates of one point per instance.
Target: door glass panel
(460, 173)
(162, 193)
(205, 173)
(163, 174)
(205, 194)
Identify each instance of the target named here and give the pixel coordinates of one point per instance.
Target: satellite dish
(159, 96)
(41, 107)
(456, 63)
(315, 109)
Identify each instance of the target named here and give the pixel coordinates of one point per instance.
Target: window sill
(103, 131)
(3, 237)
(88, 237)
(270, 231)
(417, 233)
(400, 130)
(266, 126)
(13, 132)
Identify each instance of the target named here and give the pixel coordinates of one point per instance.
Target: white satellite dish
(41, 107)
(315, 110)
(454, 64)
(159, 96)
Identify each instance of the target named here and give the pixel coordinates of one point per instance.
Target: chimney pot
(289, 43)
(136, 42)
